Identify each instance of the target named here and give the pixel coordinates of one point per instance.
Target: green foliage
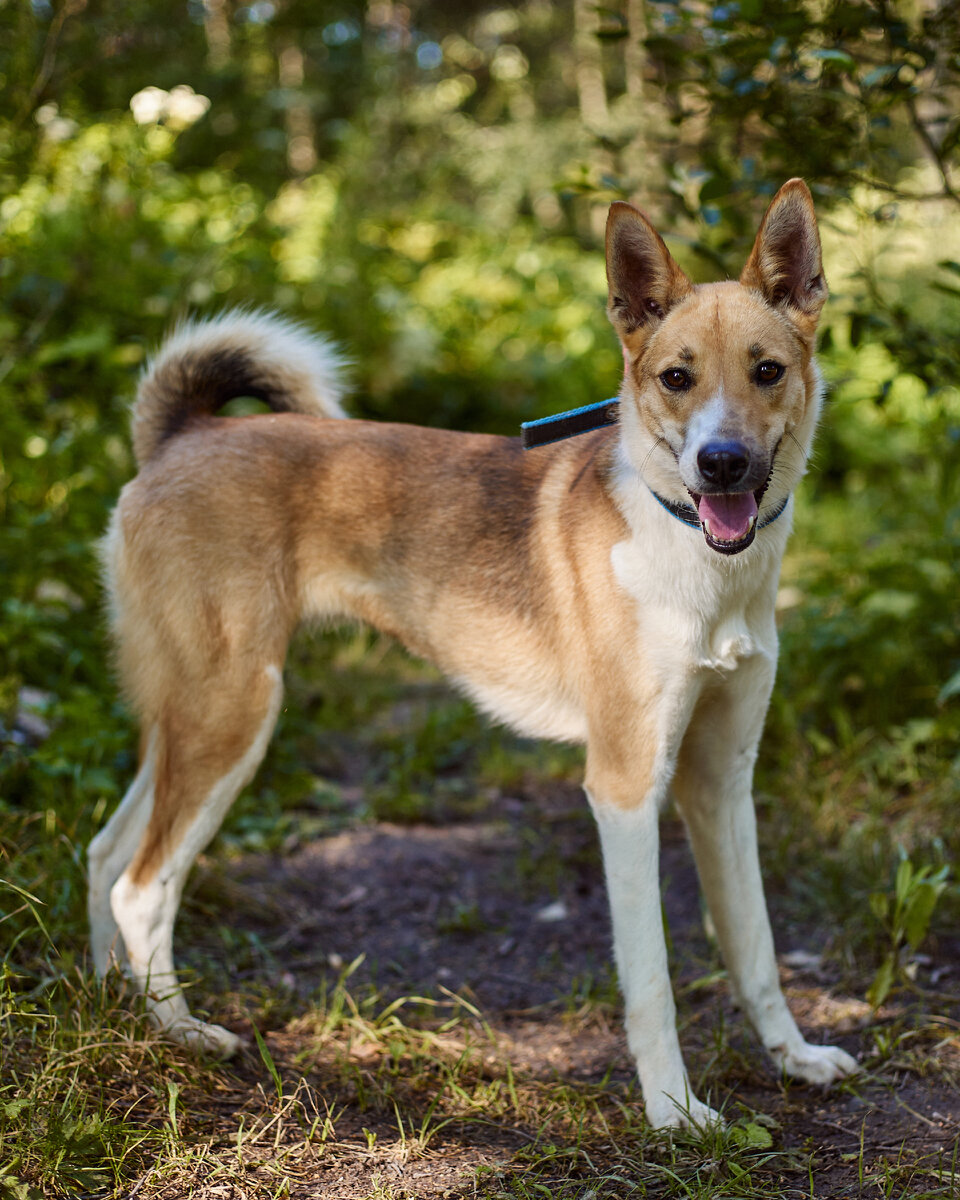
(905, 915)
(441, 216)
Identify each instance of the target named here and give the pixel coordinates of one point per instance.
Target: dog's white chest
(728, 644)
(690, 621)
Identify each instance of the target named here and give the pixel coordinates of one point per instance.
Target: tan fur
(549, 585)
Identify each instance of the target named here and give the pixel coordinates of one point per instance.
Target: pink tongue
(729, 515)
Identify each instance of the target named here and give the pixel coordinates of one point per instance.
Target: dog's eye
(676, 379)
(768, 372)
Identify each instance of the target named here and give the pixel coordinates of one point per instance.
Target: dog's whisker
(661, 441)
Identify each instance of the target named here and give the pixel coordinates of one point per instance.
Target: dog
(615, 589)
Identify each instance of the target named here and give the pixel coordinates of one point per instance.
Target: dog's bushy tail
(203, 364)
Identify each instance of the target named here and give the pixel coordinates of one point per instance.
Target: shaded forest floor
(476, 1046)
(405, 918)
(509, 913)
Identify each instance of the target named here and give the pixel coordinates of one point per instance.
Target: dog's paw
(815, 1064)
(203, 1037)
(664, 1112)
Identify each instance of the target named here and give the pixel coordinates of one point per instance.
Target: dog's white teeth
(706, 525)
(753, 521)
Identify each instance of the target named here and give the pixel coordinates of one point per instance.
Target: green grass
(348, 1082)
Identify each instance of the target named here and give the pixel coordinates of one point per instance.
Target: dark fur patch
(200, 383)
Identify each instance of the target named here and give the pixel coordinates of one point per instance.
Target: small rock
(553, 912)
(351, 898)
(802, 960)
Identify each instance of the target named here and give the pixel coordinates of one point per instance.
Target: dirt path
(509, 911)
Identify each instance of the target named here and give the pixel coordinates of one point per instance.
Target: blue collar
(547, 430)
(688, 514)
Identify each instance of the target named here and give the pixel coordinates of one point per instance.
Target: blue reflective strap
(568, 424)
(546, 430)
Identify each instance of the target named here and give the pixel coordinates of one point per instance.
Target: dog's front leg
(713, 789)
(630, 841)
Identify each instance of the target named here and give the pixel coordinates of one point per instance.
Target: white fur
(708, 619)
(706, 424)
(717, 805)
(109, 854)
(146, 914)
(630, 843)
(530, 707)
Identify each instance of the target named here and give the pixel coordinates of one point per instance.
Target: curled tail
(203, 364)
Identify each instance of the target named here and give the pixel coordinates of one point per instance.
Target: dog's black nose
(723, 464)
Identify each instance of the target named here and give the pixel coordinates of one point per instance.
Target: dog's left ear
(785, 264)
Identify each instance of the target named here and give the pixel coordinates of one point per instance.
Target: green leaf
(950, 688)
(269, 1063)
(77, 347)
(890, 602)
(879, 906)
(881, 75)
(715, 188)
(751, 1136)
(904, 879)
(916, 920)
(882, 982)
(173, 1098)
(13, 1108)
(840, 57)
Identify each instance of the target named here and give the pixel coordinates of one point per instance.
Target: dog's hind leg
(713, 789)
(205, 754)
(110, 853)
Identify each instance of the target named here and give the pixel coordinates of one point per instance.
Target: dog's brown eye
(676, 379)
(768, 372)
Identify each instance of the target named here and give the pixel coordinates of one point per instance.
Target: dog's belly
(529, 711)
(492, 656)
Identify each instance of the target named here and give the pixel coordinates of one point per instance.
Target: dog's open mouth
(729, 519)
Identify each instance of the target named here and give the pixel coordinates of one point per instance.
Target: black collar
(569, 424)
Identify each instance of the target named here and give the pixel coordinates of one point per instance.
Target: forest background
(428, 183)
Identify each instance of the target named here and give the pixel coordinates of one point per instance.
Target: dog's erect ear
(644, 281)
(785, 264)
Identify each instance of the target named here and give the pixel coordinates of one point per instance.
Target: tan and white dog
(557, 588)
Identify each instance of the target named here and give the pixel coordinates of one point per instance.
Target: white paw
(666, 1112)
(203, 1036)
(815, 1064)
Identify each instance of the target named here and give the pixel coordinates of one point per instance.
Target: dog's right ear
(644, 281)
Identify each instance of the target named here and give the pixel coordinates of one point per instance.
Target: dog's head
(721, 392)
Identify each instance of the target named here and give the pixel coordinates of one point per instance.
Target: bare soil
(509, 911)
